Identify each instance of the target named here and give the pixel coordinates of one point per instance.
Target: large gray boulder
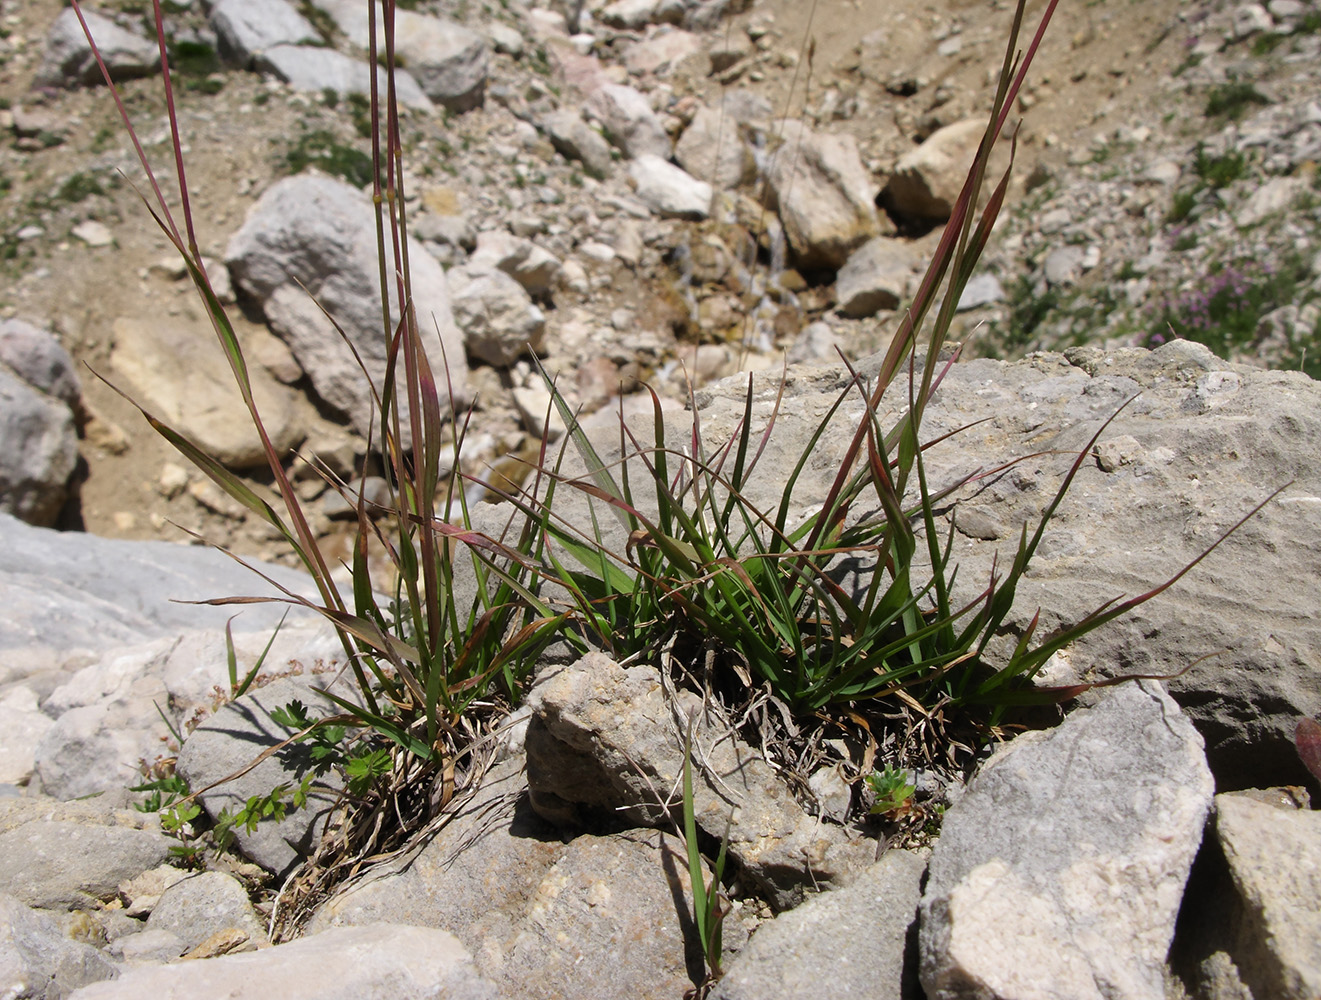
(824, 195)
(449, 61)
(576, 140)
(40, 453)
(714, 148)
(1065, 860)
(313, 68)
(68, 61)
(1203, 443)
(248, 27)
(382, 962)
(67, 591)
(308, 244)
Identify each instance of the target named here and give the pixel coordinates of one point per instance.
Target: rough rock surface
(248, 27)
(1065, 860)
(312, 68)
(1274, 858)
(824, 195)
(605, 741)
(178, 371)
(204, 904)
(500, 324)
(62, 855)
(382, 962)
(876, 276)
(233, 738)
(40, 451)
(853, 938)
(1214, 440)
(669, 191)
(541, 917)
(37, 960)
(926, 181)
(629, 121)
(320, 233)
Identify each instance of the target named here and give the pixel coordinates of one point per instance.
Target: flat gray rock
(207, 903)
(63, 855)
(1065, 860)
(65, 591)
(848, 942)
(248, 27)
(381, 962)
(41, 450)
(37, 960)
(233, 738)
(68, 61)
(597, 918)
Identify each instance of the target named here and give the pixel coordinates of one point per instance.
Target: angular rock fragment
(1065, 860)
(608, 743)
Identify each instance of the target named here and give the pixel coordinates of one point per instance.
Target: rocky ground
(670, 192)
(1114, 116)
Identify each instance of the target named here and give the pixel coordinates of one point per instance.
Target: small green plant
(78, 187)
(321, 149)
(893, 790)
(1220, 171)
(1233, 99)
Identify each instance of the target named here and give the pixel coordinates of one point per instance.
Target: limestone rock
(232, 739)
(824, 195)
(203, 904)
(177, 370)
(40, 453)
(35, 356)
(532, 266)
(62, 855)
(853, 938)
(313, 68)
(577, 140)
(927, 180)
(604, 742)
(1274, 859)
(876, 276)
(498, 319)
(248, 27)
(628, 121)
(594, 918)
(669, 191)
(1065, 860)
(37, 960)
(319, 234)
(381, 962)
(714, 147)
(68, 60)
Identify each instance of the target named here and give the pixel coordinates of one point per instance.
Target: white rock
(668, 190)
(500, 324)
(825, 196)
(314, 235)
(93, 233)
(876, 276)
(628, 121)
(309, 68)
(68, 60)
(247, 27)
